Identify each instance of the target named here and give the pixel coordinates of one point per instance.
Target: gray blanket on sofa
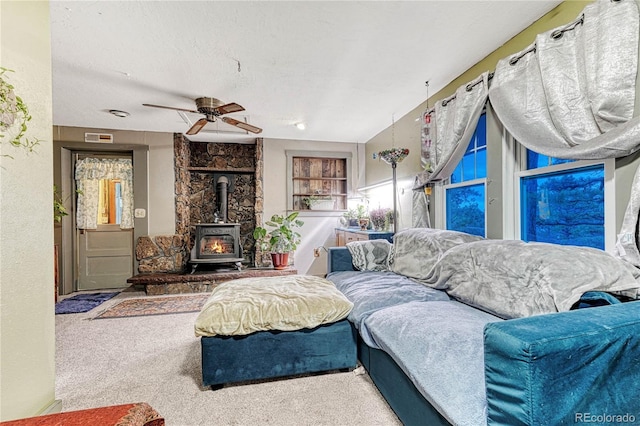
(440, 347)
(371, 291)
(515, 279)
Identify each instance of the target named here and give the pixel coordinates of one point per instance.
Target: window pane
(465, 209)
(110, 202)
(474, 163)
(536, 161)
(481, 163)
(468, 167)
(564, 207)
(456, 176)
(481, 131)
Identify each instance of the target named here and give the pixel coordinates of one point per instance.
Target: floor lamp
(394, 156)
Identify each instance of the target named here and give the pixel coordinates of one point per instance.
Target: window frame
(609, 192)
(342, 155)
(440, 190)
(474, 182)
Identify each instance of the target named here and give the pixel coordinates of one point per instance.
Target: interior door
(104, 255)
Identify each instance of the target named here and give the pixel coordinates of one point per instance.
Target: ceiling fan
(212, 109)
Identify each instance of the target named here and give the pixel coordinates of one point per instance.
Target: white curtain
(456, 119)
(89, 172)
(571, 94)
(420, 209)
(627, 244)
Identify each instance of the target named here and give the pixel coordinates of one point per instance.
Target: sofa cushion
(371, 291)
(439, 346)
(417, 250)
(371, 255)
(515, 279)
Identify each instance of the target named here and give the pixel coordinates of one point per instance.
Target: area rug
(156, 306)
(83, 302)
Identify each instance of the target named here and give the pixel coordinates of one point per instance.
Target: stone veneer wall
(163, 253)
(198, 165)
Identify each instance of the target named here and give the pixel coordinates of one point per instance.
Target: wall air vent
(98, 137)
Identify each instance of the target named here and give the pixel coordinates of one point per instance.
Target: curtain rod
(556, 35)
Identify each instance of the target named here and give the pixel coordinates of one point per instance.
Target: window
(465, 209)
(563, 201)
(465, 195)
(474, 163)
(536, 161)
(110, 202)
(318, 180)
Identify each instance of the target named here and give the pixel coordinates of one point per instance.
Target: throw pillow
(372, 255)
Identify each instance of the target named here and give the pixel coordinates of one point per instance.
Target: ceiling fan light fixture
(118, 113)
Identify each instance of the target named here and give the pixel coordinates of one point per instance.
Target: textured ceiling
(343, 68)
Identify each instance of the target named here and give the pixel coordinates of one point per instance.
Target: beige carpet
(156, 359)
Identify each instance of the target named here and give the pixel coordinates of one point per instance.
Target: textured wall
(27, 349)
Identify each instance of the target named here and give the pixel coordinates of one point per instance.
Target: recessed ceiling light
(119, 113)
(301, 126)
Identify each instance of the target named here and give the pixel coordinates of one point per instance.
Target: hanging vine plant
(14, 116)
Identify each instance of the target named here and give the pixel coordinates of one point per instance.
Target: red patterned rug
(156, 306)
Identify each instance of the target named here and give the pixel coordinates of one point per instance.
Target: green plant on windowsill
(14, 116)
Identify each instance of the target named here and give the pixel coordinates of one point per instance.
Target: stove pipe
(223, 185)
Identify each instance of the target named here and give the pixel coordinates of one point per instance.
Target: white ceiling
(346, 69)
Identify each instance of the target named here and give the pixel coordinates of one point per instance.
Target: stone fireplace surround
(163, 259)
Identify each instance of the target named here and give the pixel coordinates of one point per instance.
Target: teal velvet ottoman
(269, 354)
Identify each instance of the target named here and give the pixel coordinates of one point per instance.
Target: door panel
(105, 258)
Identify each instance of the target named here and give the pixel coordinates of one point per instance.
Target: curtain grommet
(557, 34)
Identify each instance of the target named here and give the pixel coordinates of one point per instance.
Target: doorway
(103, 220)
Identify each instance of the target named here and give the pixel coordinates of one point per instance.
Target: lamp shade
(393, 155)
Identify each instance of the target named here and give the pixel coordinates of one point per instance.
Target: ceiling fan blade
(228, 108)
(197, 126)
(173, 108)
(241, 124)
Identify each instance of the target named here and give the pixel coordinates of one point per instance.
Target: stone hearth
(166, 283)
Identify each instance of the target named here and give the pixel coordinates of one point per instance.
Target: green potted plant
(350, 218)
(363, 216)
(319, 202)
(281, 239)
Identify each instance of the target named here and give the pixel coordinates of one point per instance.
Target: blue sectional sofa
(439, 357)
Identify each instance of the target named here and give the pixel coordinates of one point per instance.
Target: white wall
(318, 229)
(27, 345)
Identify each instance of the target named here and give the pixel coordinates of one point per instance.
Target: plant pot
(280, 260)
